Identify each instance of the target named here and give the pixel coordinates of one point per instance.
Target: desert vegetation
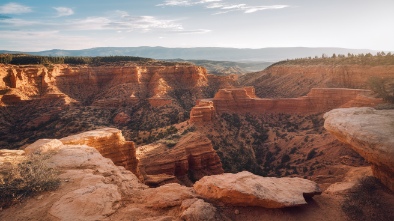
(26, 178)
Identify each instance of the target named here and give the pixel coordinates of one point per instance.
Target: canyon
(117, 129)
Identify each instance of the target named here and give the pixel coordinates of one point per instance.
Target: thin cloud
(222, 6)
(197, 31)
(14, 8)
(185, 2)
(63, 11)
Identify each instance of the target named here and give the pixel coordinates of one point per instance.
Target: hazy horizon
(245, 24)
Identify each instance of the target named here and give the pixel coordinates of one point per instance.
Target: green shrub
(27, 178)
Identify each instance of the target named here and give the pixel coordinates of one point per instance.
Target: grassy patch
(25, 179)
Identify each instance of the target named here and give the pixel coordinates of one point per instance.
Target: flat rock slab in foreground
(370, 132)
(247, 189)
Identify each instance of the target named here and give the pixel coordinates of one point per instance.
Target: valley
(186, 123)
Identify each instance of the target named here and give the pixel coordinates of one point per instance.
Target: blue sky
(32, 25)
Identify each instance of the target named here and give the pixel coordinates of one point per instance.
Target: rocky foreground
(370, 133)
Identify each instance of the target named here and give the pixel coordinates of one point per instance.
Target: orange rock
(247, 189)
(244, 100)
(110, 143)
(192, 158)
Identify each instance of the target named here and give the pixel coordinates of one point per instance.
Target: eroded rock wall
(190, 159)
(285, 80)
(110, 143)
(90, 84)
(244, 100)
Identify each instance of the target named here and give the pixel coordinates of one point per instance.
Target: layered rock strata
(370, 133)
(244, 100)
(99, 85)
(247, 189)
(190, 159)
(291, 80)
(110, 143)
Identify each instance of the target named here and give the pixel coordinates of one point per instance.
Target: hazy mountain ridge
(203, 53)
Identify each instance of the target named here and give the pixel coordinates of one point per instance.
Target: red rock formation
(286, 80)
(113, 84)
(192, 158)
(244, 100)
(110, 143)
(202, 112)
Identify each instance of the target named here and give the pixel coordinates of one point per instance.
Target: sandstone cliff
(86, 83)
(110, 143)
(290, 80)
(189, 160)
(244, 100)
(370, 133)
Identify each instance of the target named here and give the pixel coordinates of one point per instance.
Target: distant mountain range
(203, 53)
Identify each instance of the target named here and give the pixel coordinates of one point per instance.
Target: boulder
(247, 189)
(370, 133)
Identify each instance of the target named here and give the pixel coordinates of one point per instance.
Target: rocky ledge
(370, 133)
(94, 188)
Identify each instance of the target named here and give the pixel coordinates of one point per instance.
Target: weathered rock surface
(244, 100)
(370, 133)
(110, 84)
(190, 159)
(110, 143)
(94, 188)
(247, 189)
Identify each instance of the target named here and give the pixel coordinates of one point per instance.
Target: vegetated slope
(294, 78)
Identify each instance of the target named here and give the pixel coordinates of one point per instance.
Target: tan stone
(247, 189)
(110, 143)
(370, 133)
(169, 195)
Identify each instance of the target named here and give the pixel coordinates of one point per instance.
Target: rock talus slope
(370, 133)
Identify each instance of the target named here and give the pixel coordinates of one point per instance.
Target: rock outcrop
(190, 159)
(370, 133)
(244, 100)
(110, 143)
(94, 188)
(100, 85)
(247, 189)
